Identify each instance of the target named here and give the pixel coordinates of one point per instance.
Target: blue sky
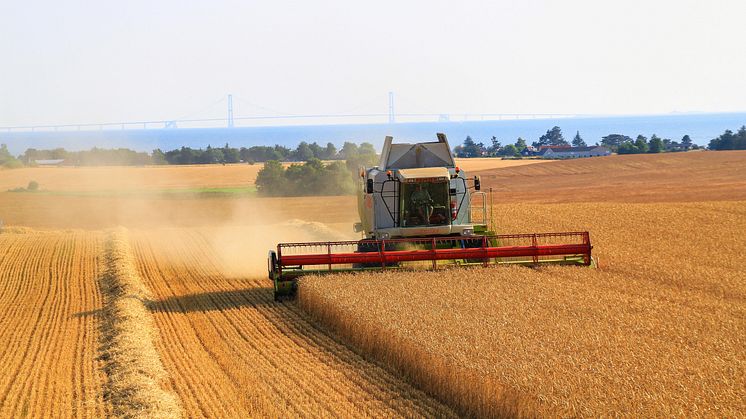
(98, 61)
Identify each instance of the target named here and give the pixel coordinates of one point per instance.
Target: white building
(573, 152)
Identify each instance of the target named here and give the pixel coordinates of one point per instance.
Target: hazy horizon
(80, 62)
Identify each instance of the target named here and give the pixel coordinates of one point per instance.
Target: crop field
(231, 351)
(48, 329)
(158, 305)
(120, 180)
(675, 177)
(129, 178)
(658, 330)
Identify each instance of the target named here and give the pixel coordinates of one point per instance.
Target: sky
(69, 62)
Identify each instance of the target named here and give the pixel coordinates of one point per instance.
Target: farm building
(573, 152)
(49, 162)
(528, 151)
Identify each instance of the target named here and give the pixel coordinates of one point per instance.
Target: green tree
(509, 150)
(185, 156)
(339, 180)
(330, 152)
(7, 159)
(578, 141)
(520, 144)
(304, 152)
(613, 141)
(627, 147)
(364, 156)
(210, 156)
(552, 137)
(318, 151)
(367, 149)
(157, 157)
(305, 179)
(494, 148)
(656, 144)
(641, 143)
(270, 180)
(686, 141)
(470, 148)
(309, 178)
(349, 150)
(231, 155)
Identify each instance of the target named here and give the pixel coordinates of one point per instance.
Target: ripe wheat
(658, 330)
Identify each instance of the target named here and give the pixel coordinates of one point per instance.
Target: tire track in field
(232, 351)
(48, 333)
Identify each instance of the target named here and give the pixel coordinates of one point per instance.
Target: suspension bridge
(230, 120)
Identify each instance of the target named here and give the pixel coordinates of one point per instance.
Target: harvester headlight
(384, 236)
(467, 232)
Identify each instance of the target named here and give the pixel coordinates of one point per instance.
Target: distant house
(564, 152)
(528, 151)
(555, 147)
(54, 162)
(677, 147)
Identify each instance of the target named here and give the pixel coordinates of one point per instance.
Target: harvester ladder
(481, 212)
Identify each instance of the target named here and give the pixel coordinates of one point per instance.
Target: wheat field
(49, 334)
(232, 352)
(160, 307)
(658, 330)
(149, 178)
(155, 323)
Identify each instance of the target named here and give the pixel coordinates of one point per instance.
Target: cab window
(424, 204)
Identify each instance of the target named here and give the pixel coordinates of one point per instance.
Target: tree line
(730, 141)
(553, 137)
(619, 143)
(314, 177)
(186, 155)
(7, 160)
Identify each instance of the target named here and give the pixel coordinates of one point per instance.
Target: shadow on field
(95, 312)
(217, 300)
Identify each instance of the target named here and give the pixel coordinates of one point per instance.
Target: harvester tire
(272, 265)
(471, 244)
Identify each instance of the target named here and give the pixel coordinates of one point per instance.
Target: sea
(701, 128)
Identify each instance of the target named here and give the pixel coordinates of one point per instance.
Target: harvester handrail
(583, 234)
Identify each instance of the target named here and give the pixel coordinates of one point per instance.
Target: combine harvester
(419, 210)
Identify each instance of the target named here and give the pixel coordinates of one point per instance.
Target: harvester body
(417, 191)
(419, 210)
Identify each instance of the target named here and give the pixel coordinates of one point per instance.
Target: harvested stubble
(231, 351)
(48, 327)
(132, 364)
(659, 330)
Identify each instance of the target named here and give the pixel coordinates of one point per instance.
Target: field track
(231, 352)
(48, 331)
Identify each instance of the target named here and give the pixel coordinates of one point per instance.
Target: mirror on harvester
(369, 186)
(477, 183)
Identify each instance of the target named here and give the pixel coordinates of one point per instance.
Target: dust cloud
(238, 230)
(243, 250)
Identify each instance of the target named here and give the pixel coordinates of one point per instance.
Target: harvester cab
(419, 210)
(418, 191)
